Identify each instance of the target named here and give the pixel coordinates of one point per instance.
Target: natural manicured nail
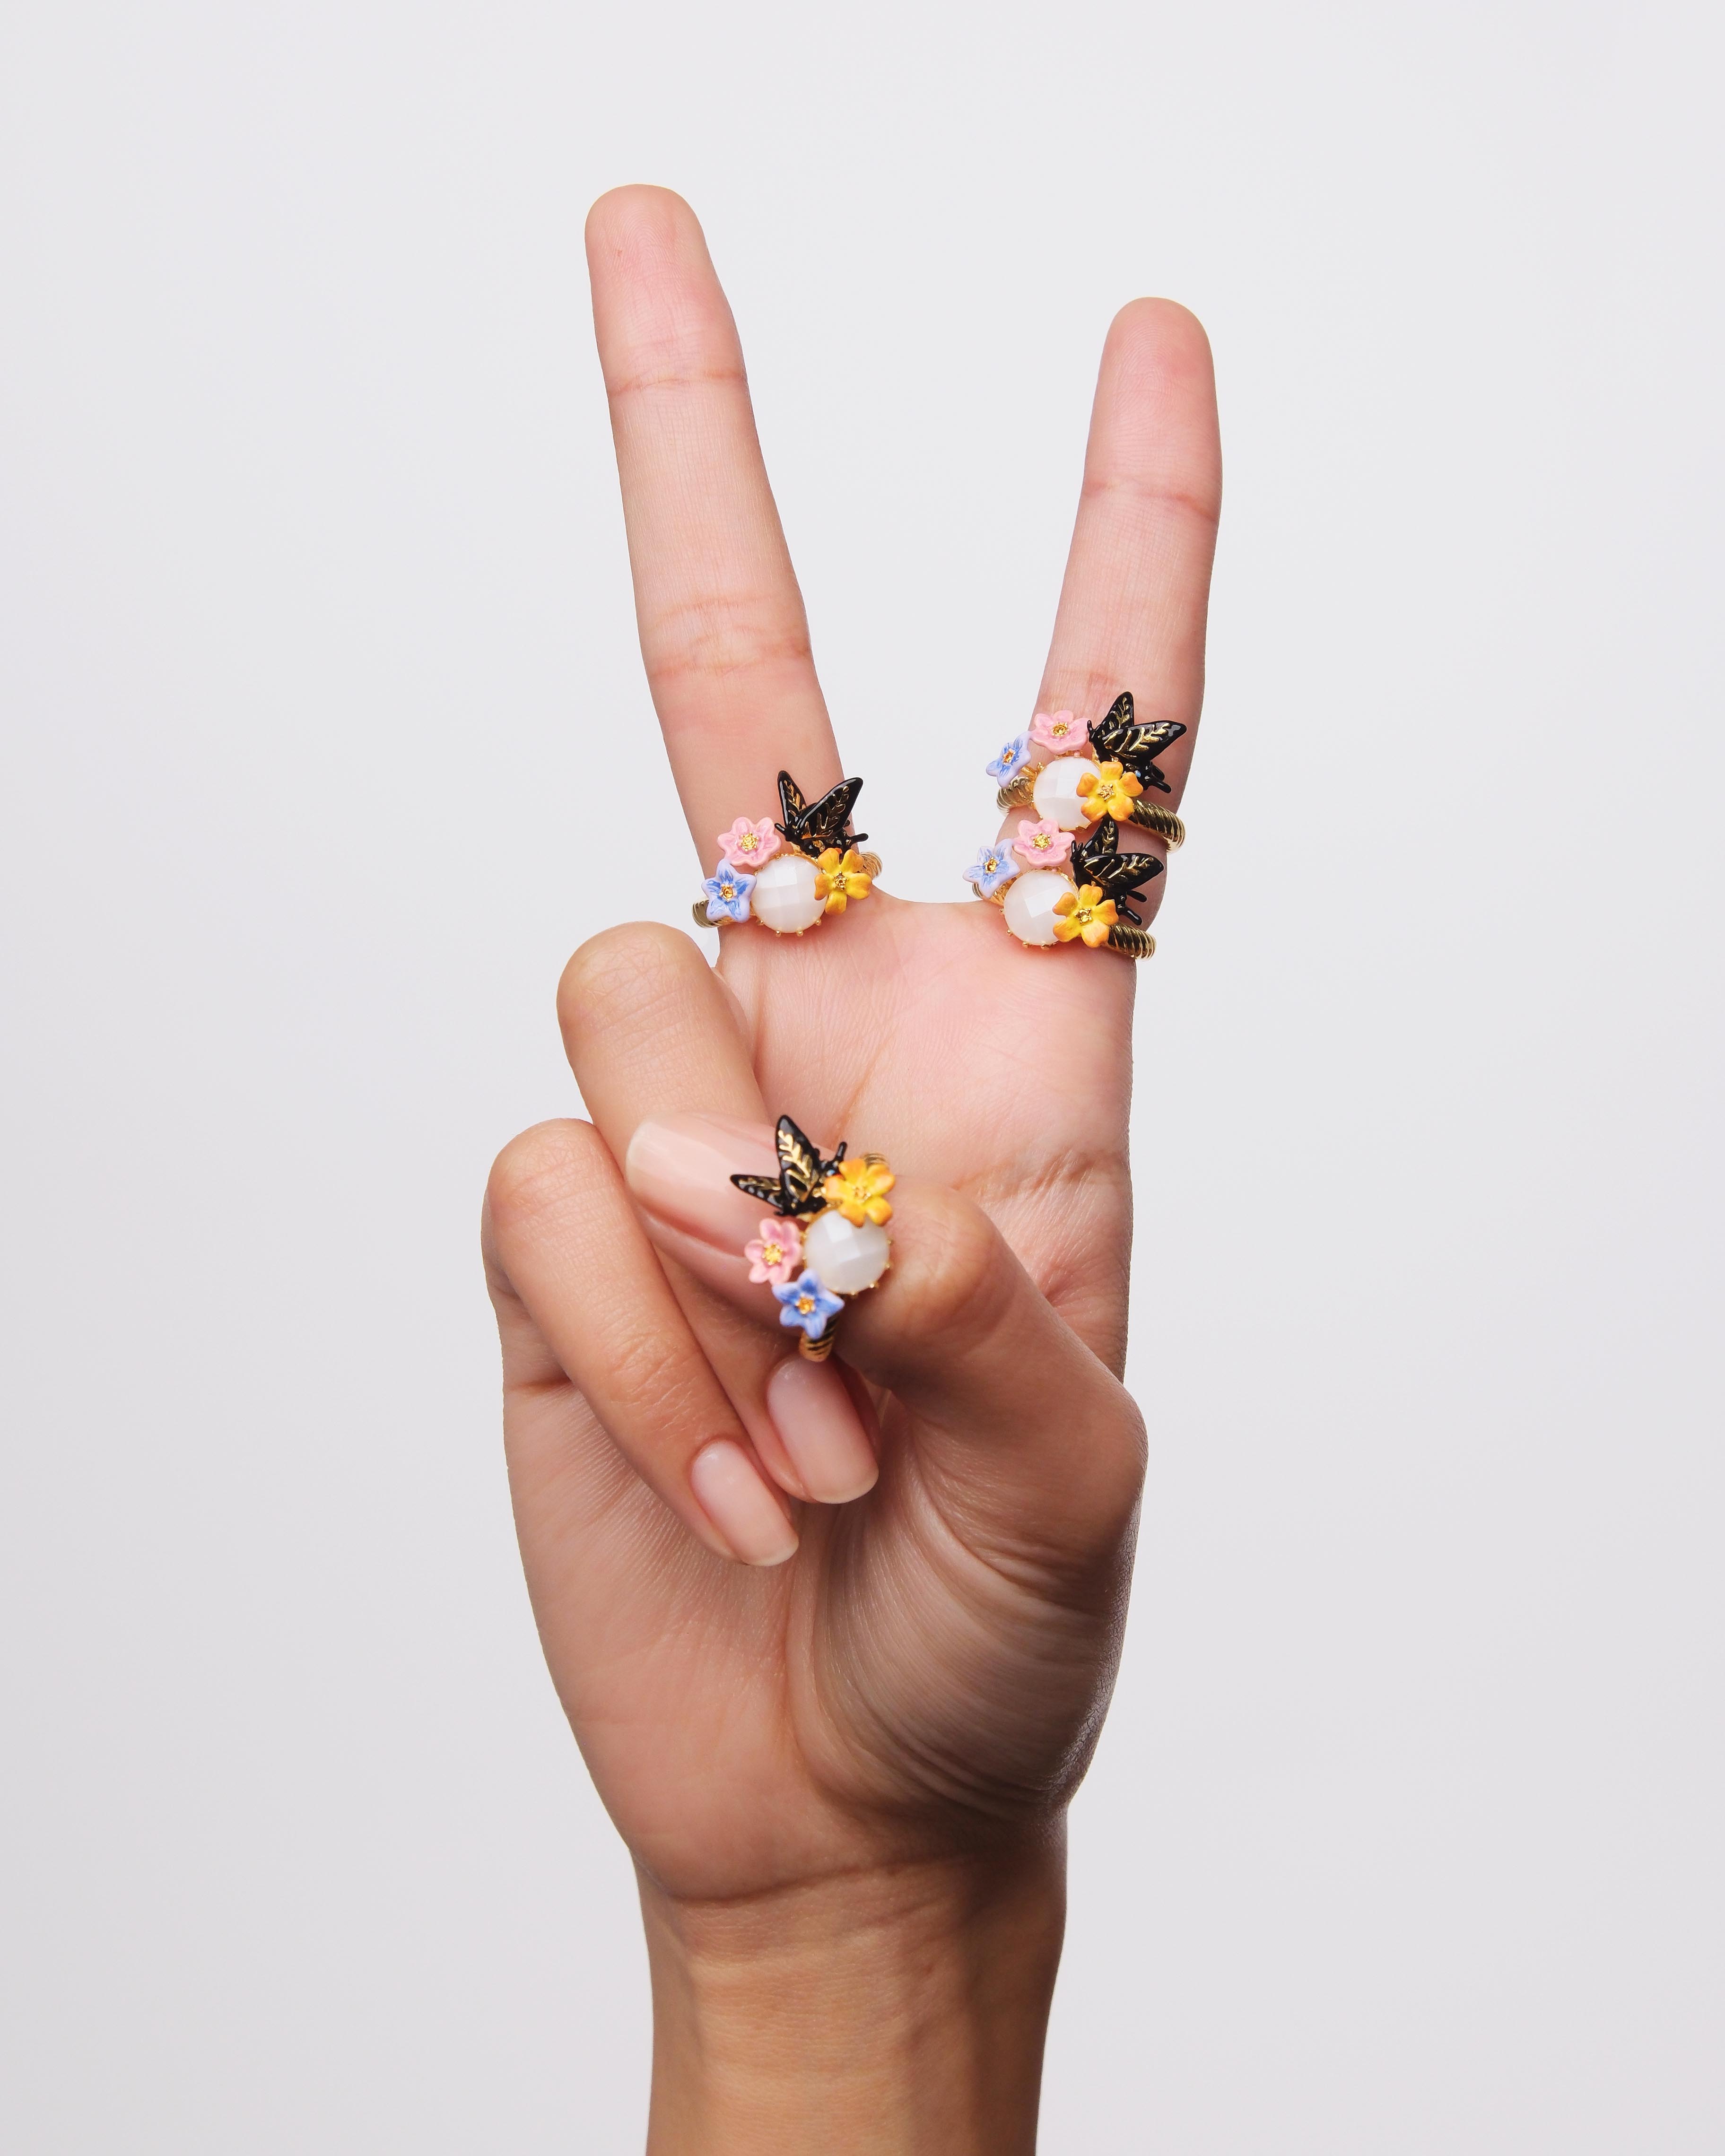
(730, 1492)
(679, 1169)
(813, 1412)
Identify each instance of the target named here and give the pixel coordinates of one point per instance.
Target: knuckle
(539, 1170)
(717, 634)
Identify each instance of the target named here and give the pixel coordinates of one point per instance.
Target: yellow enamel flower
(859, 1190)
(1111, 794)
(845, 878)
(1085, 913)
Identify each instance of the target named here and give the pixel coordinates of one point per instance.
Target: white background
(1405, 1833)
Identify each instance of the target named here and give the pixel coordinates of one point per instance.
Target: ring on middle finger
(1063, 877)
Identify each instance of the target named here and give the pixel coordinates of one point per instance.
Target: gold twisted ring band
(1147, 815)
(1131, 942)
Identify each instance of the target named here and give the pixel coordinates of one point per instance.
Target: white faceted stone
(842, 1257)
(783, 896)
(1056, 795)
(1029, 907)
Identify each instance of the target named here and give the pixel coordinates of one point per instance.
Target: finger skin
(648, 1027)
(957, 1330)
(1135, 600)
(564, 1240)
(723, 631)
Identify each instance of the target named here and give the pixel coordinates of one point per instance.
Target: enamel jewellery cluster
(790, 874)
(1061, 877)
(827, 1239)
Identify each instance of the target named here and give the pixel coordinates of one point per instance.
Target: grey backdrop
(1404, 1834)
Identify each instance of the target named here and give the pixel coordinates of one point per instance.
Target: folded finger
(1027, 1423)
(650, 1028)
(563, 1237)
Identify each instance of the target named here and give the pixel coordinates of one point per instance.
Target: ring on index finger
(790, 874)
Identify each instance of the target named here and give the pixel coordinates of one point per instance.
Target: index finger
(723, 632)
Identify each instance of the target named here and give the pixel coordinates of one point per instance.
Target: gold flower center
(805, 1303)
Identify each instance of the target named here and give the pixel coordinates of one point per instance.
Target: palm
(738, 1724)
(917, 1027)
(929, 1668)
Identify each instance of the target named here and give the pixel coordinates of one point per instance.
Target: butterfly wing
(801, 1172)
(1096, 858)
(823, 825)
(1118, 736)
(1141, 747)
(801, 1169)
(769, 1190)
(1107, 732)
(791, 804)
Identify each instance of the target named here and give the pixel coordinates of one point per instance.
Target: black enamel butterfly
(1118, 738)
(1096, 858)
(797, 1186)
(811, 831)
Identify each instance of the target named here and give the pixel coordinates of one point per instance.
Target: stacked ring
(827, 1239)
(790, 876)
(1064, 878)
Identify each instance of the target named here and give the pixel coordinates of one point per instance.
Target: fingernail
(739, 1504)
(679, 1168)
(813, 1412)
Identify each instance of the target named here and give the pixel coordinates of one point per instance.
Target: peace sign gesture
(841, 1764)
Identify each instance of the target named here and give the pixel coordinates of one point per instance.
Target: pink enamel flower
(745, 845)
(1042, 845)
(775, 1252)
(1060, 731)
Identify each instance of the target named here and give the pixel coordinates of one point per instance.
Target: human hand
(841, 1766)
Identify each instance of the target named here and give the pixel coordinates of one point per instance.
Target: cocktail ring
(790, 874)
(827, 1239)
(1062, 878)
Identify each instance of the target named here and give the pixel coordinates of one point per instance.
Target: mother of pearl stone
(1029, 906)
(1056, 796)
(783, 896)
(842, 1257)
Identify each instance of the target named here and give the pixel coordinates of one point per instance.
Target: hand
(841, 1765)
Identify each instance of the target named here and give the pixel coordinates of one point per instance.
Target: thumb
(1012, 1412)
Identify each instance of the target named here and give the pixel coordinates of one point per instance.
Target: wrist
(896, 2009)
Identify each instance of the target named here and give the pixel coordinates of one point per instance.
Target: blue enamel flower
(727, 895)
(992, 866)
(1006, 765)
(807, 1303)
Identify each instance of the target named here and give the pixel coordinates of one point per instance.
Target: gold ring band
(1132, 942)
(1147, 815)
(871, 868)
(1152, 816)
